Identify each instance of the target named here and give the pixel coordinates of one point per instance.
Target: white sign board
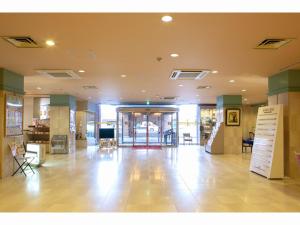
(267, 154)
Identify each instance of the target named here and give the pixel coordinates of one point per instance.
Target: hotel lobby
(149, 112)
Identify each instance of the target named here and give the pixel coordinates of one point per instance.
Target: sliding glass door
(147, 128)
(140, 130)
(154, 129)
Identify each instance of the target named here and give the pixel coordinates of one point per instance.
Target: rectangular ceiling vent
(188, 74)
(22, 41)
(89, 87)
(168, 98)
(273, 43)
(59, 74)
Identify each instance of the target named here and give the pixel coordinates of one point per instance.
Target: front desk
(38, 151)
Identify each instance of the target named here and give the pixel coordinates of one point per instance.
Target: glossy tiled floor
(184, 179)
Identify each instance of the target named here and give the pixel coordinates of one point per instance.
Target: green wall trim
(286, 81)
(11, 81)
(229, 101)
(63, 100)
(86, 106)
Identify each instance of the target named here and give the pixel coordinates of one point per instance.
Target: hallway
(185, 180)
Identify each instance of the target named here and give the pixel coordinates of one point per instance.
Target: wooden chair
(187, 137)
(248, 143)
(19, 154)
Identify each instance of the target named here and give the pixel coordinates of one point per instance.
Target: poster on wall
(14, 115)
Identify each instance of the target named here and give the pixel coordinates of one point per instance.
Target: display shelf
(267, 155)
(59, 144)
(215, 143)
(38, 135)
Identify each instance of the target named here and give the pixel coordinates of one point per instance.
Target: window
(188, 122)
(108, 116)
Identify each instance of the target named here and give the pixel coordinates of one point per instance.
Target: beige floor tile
(184, 180)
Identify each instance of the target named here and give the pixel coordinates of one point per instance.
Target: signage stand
(267, 156)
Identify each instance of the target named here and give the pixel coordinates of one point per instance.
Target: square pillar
(232, 134)
(62, 118)
(284, 88)
(10, 84)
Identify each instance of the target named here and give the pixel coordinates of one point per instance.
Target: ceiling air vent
(273, 43)
(22, 41)
(168, 98)
(188, 74)
(89, 87)
(59, 74)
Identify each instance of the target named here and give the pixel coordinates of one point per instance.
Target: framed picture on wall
(233, 117)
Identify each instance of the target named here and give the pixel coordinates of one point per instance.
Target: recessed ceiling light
(245, 99)
(231, 81)
(50, 43)
(143, 91)
(214, 71)
(174, 55)
(207, 87)
(81, 71)
(39, 88)
(180, 85)
(123, 75)
(166, 19)
(243, 90)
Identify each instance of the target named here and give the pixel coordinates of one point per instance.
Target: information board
(267, 154)
(14, 115)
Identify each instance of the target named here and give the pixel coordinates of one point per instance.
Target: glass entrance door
(147, 128)
(154, 129)
(140, 129)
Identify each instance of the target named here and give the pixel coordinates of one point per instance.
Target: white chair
(187, 138)
(19, 154)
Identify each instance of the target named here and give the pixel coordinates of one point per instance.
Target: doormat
(146, 147)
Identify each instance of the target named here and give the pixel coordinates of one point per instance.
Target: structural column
(11, 92)
(232, 134)
(87, 112)
(62, 118)
(284, 88)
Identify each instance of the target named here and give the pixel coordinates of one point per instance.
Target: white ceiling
(107, 45)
